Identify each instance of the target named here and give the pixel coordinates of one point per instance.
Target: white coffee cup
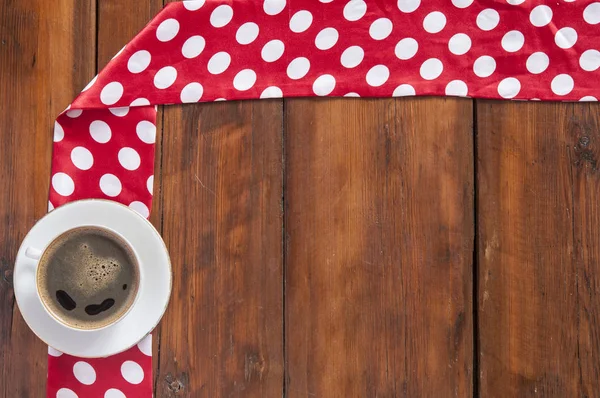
(154, 286)
(54, 310)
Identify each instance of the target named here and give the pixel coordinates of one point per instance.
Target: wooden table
(417, 247)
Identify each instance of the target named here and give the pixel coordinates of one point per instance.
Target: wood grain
(539, 276)
(379, 243)
(46, 56)
(222, 186)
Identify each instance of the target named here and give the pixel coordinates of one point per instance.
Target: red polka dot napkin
(197, 51)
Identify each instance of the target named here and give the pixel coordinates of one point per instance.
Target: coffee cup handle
(33, 253)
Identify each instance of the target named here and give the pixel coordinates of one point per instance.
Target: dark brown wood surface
(47, 54)
(222, 335)
(379, 248)
(329, 248)
(539, 252)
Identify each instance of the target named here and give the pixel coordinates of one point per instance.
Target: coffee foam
(91, 265)
(100, 270)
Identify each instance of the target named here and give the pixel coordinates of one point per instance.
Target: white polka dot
(84, 373)
(301, 21)
(431, 69)
(273, 7)
(139, 61)
(193, 47)
(513, 41)
(82, 158)
(140, 102)
(562, 84)
(380, 29)
(247, 33)
(220, 99)
(588, 98)
(272, 51)
(110, 185)
(120, 112)
(100, 131)
(113, 392)
(219, 63)
(74, 113)
(591, 14)
(165, 77)
(406, 48)
(326, 38)
(352, 95)
(355, 10)
(142, 209)
(221, 16)
(59, 132)
(408, 6)
(298, 68)
(324, 85)
(111, 93)
(457, 88)
(167, 30)
(462, 3)
(146, 131)
(63, 184)
(150, 184)
(244, 80)
(537, 62)
(540, 16)
(509, 87)
(90, 84)
(378, 75)
(192, 93)
(434, 22)
(271, 92)
(132, 372)
(50, 208)
(459, 44)
(51, 351)
(488, 19)
(590, 60)
(484, 66)
(145, 346)
(352, 57)
(404, 90)
(565, 37)
(129, 158)
(515, 2)
(193, 5)
(66, 393)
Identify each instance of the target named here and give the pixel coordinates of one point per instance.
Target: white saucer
(153, 294)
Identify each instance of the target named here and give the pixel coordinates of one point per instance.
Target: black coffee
(88, 277)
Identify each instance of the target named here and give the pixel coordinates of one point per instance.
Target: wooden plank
(379, 243)
(539, 256)
(222, 187)
(47, 56)
(118, 23)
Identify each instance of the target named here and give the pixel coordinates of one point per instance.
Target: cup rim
(137, 266)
